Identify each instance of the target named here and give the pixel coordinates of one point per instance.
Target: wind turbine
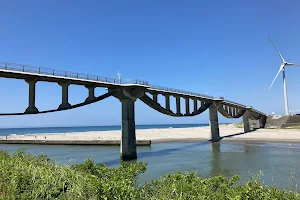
(119, 76)
(282, 68)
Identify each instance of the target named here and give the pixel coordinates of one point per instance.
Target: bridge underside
(128, 96)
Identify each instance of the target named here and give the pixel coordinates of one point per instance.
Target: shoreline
(238, 140)
(228, 133)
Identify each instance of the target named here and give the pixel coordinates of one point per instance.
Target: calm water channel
(278, 161)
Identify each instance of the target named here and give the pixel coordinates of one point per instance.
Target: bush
(23, 176)
(190, 186)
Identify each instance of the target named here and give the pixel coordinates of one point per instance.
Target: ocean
(44, 130)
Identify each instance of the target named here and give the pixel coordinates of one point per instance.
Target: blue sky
(219, 48)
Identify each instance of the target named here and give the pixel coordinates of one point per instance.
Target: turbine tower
(282, 68)
(119, 77)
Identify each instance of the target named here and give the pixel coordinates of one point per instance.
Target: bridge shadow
(163, 152)
(169, 151)
(236, 134)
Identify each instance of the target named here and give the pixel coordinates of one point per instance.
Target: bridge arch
(153, 103)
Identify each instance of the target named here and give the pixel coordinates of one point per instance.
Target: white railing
(62, 73)
(180, 91)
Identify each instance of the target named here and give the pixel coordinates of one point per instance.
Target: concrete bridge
(127, 92)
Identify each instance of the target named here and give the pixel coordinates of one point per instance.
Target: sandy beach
(228, 132)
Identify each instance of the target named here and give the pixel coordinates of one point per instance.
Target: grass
(24, 176)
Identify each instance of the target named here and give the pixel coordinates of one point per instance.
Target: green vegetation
(23, 176)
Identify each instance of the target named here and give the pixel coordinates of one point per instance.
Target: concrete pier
(231, 112)
(256, 123)
(261, 122)
(246, 121)
(31, 96)
(65, 95)
(128, 142)
(154, 97)
(214, 122)
(167, 102)
(234, 111)
(195, 105)
(187, 106)
(91, 93)
(202, 104)
(178, 111)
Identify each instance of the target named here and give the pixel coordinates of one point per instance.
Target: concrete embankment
(72, 142)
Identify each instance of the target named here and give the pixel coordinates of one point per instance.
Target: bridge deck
(19, 71)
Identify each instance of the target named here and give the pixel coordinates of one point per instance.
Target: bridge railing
(180, 91)
(62, 73)
(232, 102)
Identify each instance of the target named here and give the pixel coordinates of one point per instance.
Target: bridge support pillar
(202, 104)
(195, 105)
(65, 96)
(128, 141)
(246, 121)
(230, 110)
(214, 122)
(91, 93)
(31, 97)
(178, 106)
(262, 122)
(167, 102)
(257, 123)
(127, 97)
(154, 97)
(187, 106)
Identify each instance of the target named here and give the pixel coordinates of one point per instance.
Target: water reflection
(147, 152)
(215, 159)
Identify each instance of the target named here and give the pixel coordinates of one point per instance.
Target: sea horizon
(68, 129)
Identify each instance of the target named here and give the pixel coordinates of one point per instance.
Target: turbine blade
(277, 50)
(293, 64)
(280, 69)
